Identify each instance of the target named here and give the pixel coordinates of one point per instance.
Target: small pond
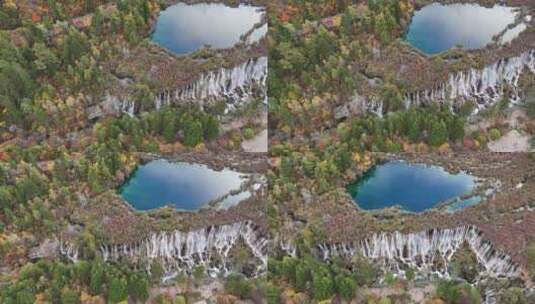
(437, 27)
(185, 186)
(184, 28)
(414, 187)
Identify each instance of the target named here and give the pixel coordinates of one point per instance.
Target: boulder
(341, 112)
(48, 249)
(307, 196)
(94, 112)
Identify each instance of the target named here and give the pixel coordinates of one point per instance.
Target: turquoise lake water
(463, 203)
(415, 187)
(436, 27)
(185, 186)
(184, 28)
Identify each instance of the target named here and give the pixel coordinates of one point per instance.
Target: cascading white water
(486, 86)
(490, 296)
(429, 252)
(289, 248)
(112, 105)
(421, 250)
(358, 105)
(69, 251)
(236, 85)
(182, 251)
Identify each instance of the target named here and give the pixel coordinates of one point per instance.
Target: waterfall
(179, 251)
(485, 86)
(236, 85)
(69, 251)
(289, 248)
(112, 105)
(358, 105)
(490, 296)
(422, 249)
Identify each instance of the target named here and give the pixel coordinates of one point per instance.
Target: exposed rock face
(48, 249)
(428, 251)
(236, 85)
(182, 251)
(513, 141)
(486, 86)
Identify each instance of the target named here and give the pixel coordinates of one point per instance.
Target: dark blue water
(185, 186)
(184, 28)
(415, 187)
(436, 27)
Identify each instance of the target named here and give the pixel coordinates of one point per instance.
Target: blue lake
(436, 27)
(415, 187)
(184, 28)
(185, 186)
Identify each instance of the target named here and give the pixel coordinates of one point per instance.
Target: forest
(56, 60)
(83, 104)
(49, 69)
(326, 55)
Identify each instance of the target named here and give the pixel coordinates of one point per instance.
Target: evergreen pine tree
(117, 290)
